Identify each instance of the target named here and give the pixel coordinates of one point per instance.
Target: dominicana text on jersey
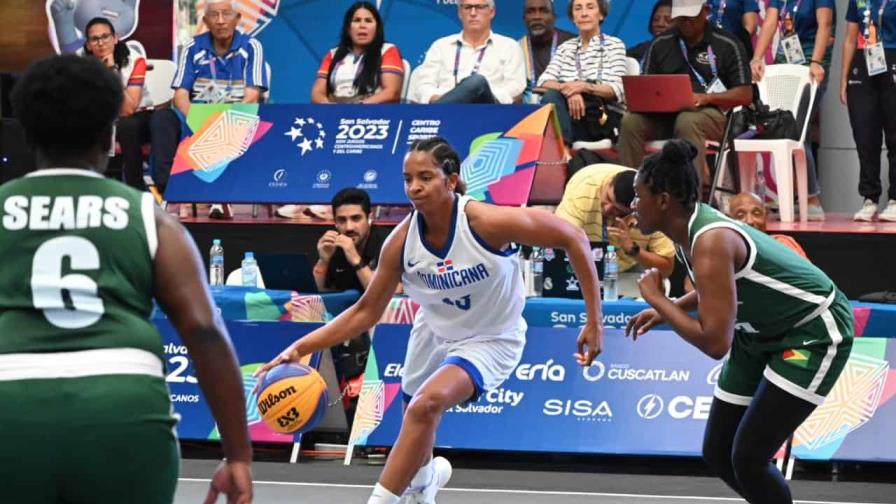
(466, 288)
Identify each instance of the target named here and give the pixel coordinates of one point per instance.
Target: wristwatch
(634, 251)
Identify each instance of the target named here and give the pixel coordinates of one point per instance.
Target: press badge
(793, 50)
(215, 93)
(875, 59)
(716, 86)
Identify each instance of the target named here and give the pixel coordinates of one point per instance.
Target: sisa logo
(582, 409)
(393, 370)
(544, 372)
(680, 407)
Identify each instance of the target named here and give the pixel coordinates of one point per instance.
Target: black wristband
(634, 251)
(359, 266)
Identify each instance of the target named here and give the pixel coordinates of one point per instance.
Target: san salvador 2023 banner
(650, 397)
(245, 153)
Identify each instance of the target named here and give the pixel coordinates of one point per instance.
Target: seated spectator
(738, 17)
(598, 199)
(660, 21)
(720, 78)
(132, 127)
(220, 66)
(363, 68)
(749, 209)
(474, 66)
(348, 254)
(584, 79)
(540, 42)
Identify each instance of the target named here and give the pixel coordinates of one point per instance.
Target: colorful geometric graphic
(224, 135)
(306, 308)
(375, 398)
(400, 311)
(255, 15)
(500, 168)
(865, 385)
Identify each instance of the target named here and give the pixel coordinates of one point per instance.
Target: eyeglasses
(478, 7)
(225, 15)
(98, 39)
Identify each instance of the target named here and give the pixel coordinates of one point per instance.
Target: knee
(632, 124)
(686, 123)
(745, 462)
(426, 408)
(163, 120)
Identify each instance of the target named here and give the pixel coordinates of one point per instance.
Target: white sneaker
(441, 473)
(815, 213)
(289, 211)
(889, 213)
(866, 214)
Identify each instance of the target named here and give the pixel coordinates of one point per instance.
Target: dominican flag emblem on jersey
(445, 266)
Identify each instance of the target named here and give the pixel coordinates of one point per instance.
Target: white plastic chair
(158, 80)
(632, 66)
(406, 84)
(782, 88)
(412, 94)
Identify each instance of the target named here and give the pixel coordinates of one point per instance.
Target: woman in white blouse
(584, 78)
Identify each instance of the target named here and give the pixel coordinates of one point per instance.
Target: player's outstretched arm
(180, 288)
(715, 255)
(362, 315)
(502, 225)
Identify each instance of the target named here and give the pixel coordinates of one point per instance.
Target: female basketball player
(455, 257)
(787, 326)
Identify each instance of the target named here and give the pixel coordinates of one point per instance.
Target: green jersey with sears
(77, 275)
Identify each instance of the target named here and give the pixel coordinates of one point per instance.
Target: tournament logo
(311, 132)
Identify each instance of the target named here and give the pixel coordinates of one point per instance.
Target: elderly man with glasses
(474, 66)
(220, 66)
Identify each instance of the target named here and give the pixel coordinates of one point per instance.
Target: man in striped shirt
(220, 66)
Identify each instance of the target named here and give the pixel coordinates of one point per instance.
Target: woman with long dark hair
(363, 68)
(132, 127)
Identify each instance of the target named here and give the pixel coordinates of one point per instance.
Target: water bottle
(249, 270)
(526, 267)
(611, 275)
(216, 264)
(537, 259)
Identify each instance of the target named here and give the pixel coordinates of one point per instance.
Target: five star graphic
(307, 144)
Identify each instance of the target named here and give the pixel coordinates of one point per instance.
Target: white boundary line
(527, 492)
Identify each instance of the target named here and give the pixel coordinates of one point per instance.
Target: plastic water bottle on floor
(249, 270)
(216, 264)
(537, 259)
(611, 275)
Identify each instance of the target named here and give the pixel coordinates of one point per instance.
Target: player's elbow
(718, 350)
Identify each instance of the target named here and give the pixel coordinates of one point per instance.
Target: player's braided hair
(444, 155)
(672, 171)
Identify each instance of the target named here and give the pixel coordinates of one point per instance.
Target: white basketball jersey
(467, 288)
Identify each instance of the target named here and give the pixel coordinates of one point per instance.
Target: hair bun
(678, 151)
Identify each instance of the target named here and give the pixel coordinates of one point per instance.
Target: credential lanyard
(880, 18)
(532, 76)
(712, 64)
(475, 67)
(213, 67)
(781, 18)
(600, 65)
(723, 4)
(359, 65)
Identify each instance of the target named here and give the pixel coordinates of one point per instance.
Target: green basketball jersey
(777, 290)
(77, 269)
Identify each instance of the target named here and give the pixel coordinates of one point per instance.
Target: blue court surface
(331, 482)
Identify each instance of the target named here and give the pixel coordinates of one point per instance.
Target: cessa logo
(581, 409)
(650, 406)
(544, 372)
(679, 407)
(279, 179)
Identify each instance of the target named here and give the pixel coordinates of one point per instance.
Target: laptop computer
(287, 272)
(658, 93)
(558, 276)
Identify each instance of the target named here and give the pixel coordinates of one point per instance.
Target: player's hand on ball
(233, 479)
(643, 322)
(290, 354)
(651, 285)
(590, 343)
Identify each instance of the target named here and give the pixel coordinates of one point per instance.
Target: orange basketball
(292, 398)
